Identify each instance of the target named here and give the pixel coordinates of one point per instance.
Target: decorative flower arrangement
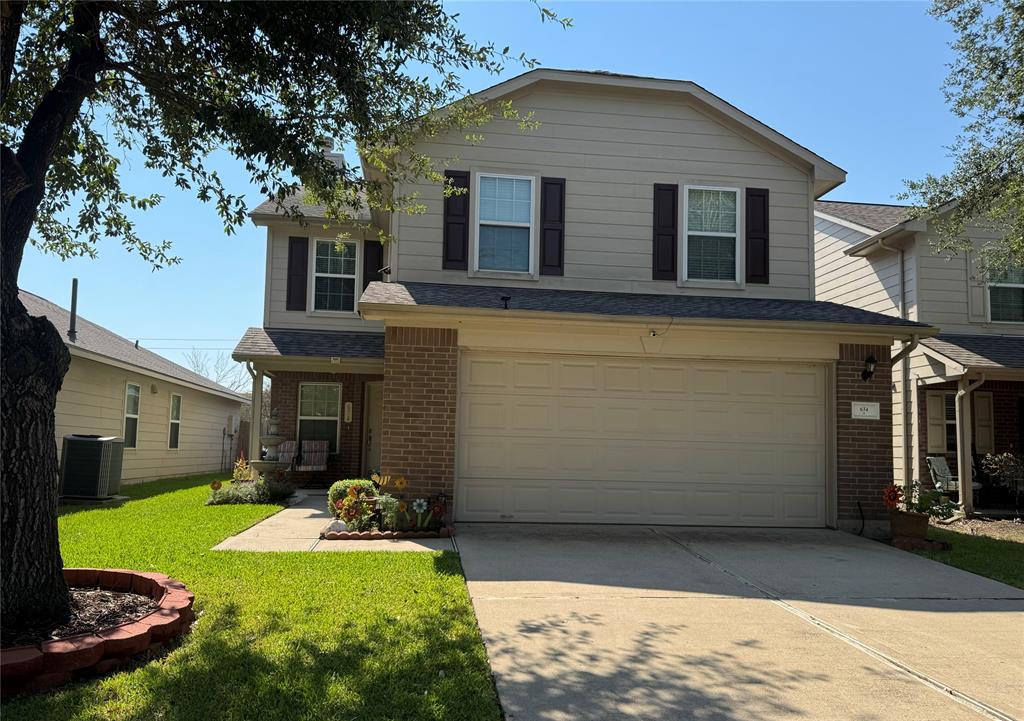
(365, 504)
(216, 485)
(919, 500)
(241, 472)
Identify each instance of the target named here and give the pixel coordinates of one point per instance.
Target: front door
(373, 401)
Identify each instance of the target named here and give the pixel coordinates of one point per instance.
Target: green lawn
(317, 636)
(1001, 560)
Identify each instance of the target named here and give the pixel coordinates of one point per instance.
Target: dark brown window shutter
(666, 231)
(298, 271)
(552, 226)
(757, 235)
(373, 261)
(456, 223)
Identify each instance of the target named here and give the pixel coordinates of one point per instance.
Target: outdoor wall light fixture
(869, 368)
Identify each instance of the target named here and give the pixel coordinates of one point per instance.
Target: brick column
(420, 385)
(863, 447)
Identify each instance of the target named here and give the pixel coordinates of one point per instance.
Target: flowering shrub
(920, 501)
(261, 491)
(366, 504)
(242, 472)
(340, 489)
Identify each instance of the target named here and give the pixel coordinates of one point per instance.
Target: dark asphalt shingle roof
(980, 351)
(875, 216)
(269, 207)
(271, 342)
(97, 339)
(625, 304)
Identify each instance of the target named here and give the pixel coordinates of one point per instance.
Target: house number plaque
(869, 411)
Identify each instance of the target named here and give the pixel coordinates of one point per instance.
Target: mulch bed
(92, 610)
(998, 528)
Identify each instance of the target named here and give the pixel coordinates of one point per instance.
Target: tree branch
(11, 14)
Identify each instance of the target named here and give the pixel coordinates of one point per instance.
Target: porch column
(965, 442)
(256, 426)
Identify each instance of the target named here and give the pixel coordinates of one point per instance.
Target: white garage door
(581, 439)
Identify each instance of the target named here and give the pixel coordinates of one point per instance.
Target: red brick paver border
(29, 669)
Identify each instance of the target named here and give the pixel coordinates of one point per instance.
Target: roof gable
(827, 175)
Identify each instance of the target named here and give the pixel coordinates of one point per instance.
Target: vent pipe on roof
(72, 331)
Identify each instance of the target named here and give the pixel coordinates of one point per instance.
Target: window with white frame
(319, 413)
(504, 223)
(711, 234)
(174, 434)
(1006, 297)
(334, 276)
(132, 400)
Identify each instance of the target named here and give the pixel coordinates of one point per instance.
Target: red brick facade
(420, 385)
(863, 447)
(284, 394)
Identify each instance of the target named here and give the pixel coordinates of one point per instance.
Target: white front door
(585, 439)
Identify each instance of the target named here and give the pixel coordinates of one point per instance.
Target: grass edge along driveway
(993, 558)
(360, 635)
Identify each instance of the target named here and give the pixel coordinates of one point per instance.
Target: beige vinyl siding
(275, 313)
(871, 283)
(92, 401)
(953, 296)
(611, 148)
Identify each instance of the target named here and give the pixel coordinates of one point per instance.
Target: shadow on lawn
(427, 667)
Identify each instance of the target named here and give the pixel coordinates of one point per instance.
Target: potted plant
(909, 514)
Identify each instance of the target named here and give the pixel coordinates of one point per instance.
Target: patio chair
(314, 456)
(286, 452)
(942, 478)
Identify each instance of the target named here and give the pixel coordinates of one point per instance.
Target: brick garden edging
(383, 535)
(54, 663)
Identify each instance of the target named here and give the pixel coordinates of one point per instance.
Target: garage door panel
(625, 440)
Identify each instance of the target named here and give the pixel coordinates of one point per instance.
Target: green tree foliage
(985, 87)
(83, 84)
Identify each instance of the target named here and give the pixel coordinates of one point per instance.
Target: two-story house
(964, 388)
(614, 323)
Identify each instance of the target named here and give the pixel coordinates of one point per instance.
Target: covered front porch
(322, 414)
(970, 409)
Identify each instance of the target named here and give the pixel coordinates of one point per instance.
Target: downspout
(903, 359)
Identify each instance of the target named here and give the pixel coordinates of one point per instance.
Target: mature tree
(84, 83)
(219, 368)
(985, 87)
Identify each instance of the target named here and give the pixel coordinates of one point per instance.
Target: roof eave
(874, 243)
(380, 311)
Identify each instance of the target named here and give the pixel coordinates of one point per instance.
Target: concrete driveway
(611, 622)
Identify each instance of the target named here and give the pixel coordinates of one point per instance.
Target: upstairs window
(334, 276)
(319, 413)
(711, 234)
(174, 435)
(505, 223)
(1006, 297)
(132, 396)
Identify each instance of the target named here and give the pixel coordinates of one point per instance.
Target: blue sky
(859, 83)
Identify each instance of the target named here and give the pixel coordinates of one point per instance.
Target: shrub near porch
(280, 635)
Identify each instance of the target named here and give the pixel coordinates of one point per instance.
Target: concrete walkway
(297, 528)
(686, 623)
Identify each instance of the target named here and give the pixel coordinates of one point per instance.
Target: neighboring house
(964, 387)
(614, 324)
(174, 422)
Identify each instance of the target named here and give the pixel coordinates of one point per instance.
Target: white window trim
(299, 417)
(988, 302)
(171, 421)
(126, 415)
(476, 221)
(947, 422)
(739, 279)
(312, 275)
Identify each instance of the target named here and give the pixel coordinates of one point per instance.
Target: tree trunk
(34, 357)
(32, 592)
